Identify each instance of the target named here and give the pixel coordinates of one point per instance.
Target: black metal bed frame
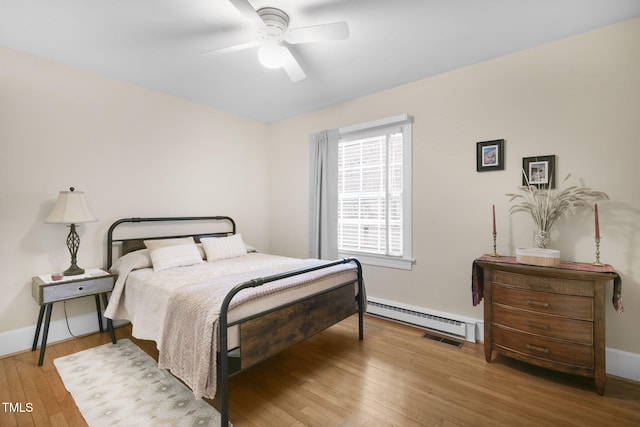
(223, 358)
(111, 241)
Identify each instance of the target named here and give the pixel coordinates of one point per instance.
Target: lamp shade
(71, 208)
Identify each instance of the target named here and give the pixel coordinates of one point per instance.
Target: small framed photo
(539, 171)
(490, 155)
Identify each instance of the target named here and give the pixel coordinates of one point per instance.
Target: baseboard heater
(419, 317)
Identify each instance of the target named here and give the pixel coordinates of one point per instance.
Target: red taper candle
(597, 224)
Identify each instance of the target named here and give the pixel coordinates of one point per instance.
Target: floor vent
(419, 318)
(457, 344)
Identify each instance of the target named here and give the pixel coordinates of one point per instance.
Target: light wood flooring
(392, 378)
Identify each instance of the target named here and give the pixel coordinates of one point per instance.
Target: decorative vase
(542, 239)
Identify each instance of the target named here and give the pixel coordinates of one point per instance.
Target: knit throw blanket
(190, 337)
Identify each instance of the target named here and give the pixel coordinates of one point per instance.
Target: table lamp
(71, 208)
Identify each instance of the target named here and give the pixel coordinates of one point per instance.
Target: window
(374, 194)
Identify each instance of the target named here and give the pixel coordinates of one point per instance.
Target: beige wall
(134, 152)
(140, 153)
(578, 99)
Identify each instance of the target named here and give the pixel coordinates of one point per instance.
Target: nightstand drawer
(63, 291)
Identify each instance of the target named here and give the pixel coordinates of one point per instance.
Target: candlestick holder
(597, 262)
(494, 245)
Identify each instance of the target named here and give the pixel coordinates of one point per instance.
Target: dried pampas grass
(547, 205)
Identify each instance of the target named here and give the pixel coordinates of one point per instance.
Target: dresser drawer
(543, 302)
(545, 284)
(545, 349)
(58, 292)
(578, 331)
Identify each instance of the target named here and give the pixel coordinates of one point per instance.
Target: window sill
(380, 260)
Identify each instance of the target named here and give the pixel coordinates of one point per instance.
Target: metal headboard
(132, 244)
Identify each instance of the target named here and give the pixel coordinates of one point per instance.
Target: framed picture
(490, 155)
(539, 171)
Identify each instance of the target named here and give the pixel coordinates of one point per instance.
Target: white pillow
(170, 253)
(131, 261)
(218, 248)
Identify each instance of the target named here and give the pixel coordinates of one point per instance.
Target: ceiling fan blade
(245, 8)
(317, 33)
(235, 48)
(292, 68)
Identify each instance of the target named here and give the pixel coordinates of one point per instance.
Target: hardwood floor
(393, 377)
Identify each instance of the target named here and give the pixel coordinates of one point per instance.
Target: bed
(247, 305)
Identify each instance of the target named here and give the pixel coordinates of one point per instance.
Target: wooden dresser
(550, 317)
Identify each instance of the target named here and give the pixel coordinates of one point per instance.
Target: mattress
(142, 295)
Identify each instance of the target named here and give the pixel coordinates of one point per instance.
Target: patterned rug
(121, 385)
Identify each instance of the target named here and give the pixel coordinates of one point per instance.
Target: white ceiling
(157, 43)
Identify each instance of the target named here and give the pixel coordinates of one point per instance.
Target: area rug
(121, 385)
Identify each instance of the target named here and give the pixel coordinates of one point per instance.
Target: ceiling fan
(274, 32)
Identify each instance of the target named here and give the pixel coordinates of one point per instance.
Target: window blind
(370, 187)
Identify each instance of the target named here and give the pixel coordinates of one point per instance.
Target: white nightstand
(47, 291)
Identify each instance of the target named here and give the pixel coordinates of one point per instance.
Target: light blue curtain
(323, 195)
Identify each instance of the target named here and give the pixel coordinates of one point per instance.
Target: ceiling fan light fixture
(274, 37)
(272, 55)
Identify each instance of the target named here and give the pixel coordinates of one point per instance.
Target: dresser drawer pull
(80, 288)
(538, 303)
(536, 285)
(537, 325)
(536, 348)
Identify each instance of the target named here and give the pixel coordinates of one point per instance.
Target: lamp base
(73, 243)
(74, 270)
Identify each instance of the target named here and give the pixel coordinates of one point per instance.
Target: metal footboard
(223, 358)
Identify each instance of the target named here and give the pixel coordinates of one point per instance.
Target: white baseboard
(623, 364)
(21, 339)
